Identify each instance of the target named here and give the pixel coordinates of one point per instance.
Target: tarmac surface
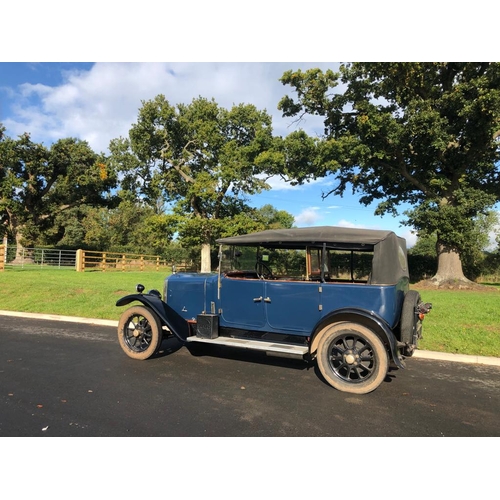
(439, 356)
(70, 379)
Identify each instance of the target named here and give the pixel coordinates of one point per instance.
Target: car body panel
(286, 307)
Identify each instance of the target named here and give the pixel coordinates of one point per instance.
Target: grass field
(66, 292)
(462, 322)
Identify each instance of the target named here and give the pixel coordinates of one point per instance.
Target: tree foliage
(200, 158)
(37, 183)
(424, 134)
(132, 227)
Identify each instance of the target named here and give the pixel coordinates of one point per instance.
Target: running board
(271, 348)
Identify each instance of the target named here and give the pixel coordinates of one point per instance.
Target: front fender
(365, 318)
(169, 318)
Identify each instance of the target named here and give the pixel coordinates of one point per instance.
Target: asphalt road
(71, 379)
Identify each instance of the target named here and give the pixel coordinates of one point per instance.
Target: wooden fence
(87, 260)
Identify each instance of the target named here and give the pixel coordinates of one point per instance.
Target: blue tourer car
(336, 296)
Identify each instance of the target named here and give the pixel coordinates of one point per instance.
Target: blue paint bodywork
(287, 307)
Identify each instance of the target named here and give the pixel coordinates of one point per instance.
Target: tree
(425, 134)
(273, 218)
(199, 158)
(37, 184)
(132, 226)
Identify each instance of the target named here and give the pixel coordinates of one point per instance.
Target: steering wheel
(260, 267)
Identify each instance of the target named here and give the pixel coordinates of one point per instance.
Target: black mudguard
(169, 318)
(368, 319)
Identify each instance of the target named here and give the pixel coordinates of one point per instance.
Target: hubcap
(349, 359)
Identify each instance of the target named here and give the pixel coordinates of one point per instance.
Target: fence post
(5, 250)
(123, 262)
(80, 256)
(2, 256)
(103, 264)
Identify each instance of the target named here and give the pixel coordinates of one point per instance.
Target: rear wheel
(352, 358)
(139, 332)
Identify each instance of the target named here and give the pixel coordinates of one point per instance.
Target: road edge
(55, 317)
(439, 356)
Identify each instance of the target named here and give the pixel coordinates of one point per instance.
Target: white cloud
(277, 183)
(410, 237)
(308, 217)
(346, 223)
(102, 103)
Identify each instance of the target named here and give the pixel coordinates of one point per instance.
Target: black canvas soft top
(389, 250)
(309, 236)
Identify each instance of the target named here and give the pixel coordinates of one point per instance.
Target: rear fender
(169, 318)
(365, 318)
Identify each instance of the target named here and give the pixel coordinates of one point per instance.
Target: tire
(352, 358)
(139, 332)
(410, 324)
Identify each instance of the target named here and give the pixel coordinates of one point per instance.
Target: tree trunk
(206, 266)
(449, 266)
(21, 256)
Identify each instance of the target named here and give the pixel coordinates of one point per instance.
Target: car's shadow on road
(245, 355)
(171, 345)
(168, 346)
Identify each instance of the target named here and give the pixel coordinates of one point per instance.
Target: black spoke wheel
(352, 358)
(139, 332)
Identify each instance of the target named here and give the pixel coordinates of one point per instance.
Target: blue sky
(99, 102)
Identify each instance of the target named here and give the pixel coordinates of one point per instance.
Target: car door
(242, 303)
(292, 306)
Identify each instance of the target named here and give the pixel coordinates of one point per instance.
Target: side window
(234, 259)
(402, 259)
(353, 266)
(315, 258)
(287, 263)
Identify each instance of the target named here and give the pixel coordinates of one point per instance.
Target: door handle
(267, 299)
(258, 299)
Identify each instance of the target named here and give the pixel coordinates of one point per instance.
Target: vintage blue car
(337, 296)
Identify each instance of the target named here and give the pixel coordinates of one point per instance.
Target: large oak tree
(37, 184)
(201, 159)
(424, 134)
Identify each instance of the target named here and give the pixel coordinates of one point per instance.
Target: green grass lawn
(463, 322)
(66, 292)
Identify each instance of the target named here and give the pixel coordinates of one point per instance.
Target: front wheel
(139, 332)
(352, 358)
